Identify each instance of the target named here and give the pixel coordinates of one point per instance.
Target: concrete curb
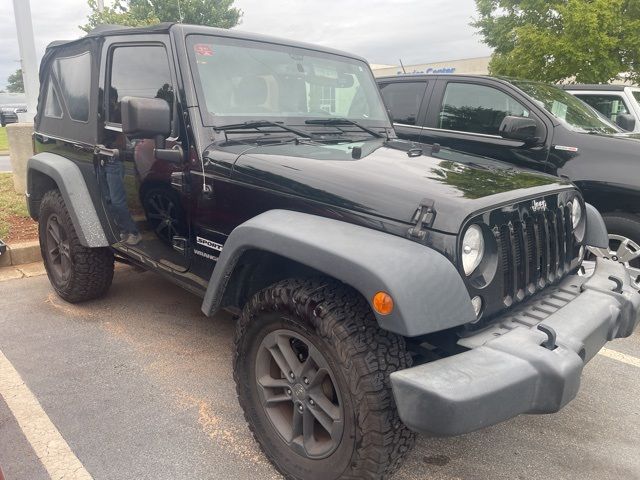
(21, 253)
(4, 153)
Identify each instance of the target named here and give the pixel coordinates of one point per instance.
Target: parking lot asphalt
(139, 385)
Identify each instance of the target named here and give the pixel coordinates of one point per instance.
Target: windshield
(571, 111)
(636, 95)
(242, 80)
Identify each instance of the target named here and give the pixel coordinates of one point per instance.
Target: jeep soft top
(381, 287)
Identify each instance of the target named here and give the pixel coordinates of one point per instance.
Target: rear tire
(314, 327)
(77, 273)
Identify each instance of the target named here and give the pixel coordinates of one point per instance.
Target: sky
(382, 31)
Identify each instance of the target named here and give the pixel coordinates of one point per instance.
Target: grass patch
(4, 141)
(12, 204)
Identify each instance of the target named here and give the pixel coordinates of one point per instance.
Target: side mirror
(145, 117)
(523, 129)
(626, 121)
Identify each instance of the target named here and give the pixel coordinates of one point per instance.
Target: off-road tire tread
(367, 356)
(629, 219)
(92, 267)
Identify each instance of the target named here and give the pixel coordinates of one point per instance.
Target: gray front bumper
(507, 370)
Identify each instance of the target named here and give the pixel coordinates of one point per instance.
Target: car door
(138, 192)
(403, 99)
(466, 114)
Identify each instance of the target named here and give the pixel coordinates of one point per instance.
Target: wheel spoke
(280, 360)
(276, 399)
(155, 216)
(268, 381)
(326, 413)
(600, 252)
(54, 231)
(627, 251)
(307, 429)
(289, 355)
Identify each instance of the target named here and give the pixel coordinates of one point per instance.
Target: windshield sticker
(203, 49)
(559, 109)
(566, 149)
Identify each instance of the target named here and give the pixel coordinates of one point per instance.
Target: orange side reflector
(383, 303)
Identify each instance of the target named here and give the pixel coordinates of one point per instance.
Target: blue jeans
(114, 172)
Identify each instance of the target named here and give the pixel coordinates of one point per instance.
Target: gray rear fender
(428, 292)
(46, 171)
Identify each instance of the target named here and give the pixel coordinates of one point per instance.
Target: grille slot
(535, 250)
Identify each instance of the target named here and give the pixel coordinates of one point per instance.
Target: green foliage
(589, 41)
(138, 13)
(4, 141)
(15, 83)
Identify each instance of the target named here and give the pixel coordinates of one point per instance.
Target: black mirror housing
(524, 129)
(145, 117)
(626, 121)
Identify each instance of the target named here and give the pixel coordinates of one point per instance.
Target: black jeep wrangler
(380, 288)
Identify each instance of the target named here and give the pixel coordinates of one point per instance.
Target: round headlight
(576, 213)
(472, 249)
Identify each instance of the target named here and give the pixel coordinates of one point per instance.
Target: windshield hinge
(422, 219)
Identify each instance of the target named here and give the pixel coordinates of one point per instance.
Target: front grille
(535, 249)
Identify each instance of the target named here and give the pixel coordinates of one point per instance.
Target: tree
(587, 41)
(137, 13)
(15, 83)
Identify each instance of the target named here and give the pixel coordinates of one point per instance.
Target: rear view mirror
(145, 117)
(626, 121)
(523, 129)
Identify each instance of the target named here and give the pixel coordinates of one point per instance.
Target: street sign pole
(28, 60)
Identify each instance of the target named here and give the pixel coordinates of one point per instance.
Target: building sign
(429, 70)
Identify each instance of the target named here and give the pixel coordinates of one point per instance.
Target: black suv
(532, 125)
(380, 288)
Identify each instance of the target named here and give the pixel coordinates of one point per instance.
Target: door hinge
(179, 182)
(180, 244)
(422, 219)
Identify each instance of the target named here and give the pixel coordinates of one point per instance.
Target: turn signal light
(383, 303)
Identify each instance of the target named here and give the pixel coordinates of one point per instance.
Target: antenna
(403, 70)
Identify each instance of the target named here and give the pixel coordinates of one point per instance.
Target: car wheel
(312, 373)
(77, 273)
(624, 245)
(164, 213)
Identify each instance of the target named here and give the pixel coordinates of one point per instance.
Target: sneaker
(133, 239)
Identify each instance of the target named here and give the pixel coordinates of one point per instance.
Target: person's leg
(118, 195)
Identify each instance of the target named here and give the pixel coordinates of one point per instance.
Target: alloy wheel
(298, 392)
(58, 250)
(621, 249)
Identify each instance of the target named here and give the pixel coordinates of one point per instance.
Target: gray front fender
(73, 189)
(428, 293)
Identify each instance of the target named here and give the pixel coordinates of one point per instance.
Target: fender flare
(429, 294)
(596, 234)
(68, 177)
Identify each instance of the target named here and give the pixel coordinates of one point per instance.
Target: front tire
(77, 273)
(312, 372)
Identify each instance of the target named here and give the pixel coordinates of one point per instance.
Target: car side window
(138, 71)
(609, 105)
(467, 107)
(74, 79)
(52, 108)
(403, 100)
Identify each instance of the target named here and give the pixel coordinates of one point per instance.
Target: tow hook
(618, 282)
(550, 342)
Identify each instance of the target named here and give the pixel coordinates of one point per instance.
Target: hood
(387, 182)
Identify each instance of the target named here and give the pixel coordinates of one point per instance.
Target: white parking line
(621, 357)
(45, 439)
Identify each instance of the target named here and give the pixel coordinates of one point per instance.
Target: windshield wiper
(255, 124)
(344, 121)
